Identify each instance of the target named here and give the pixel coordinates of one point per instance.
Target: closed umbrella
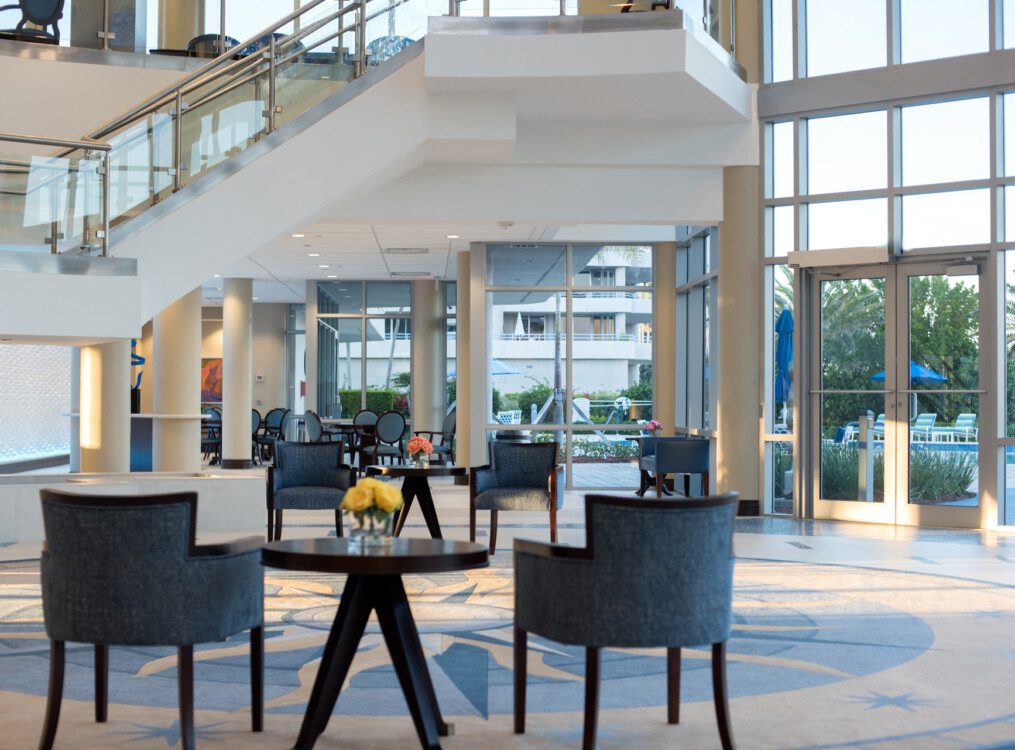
(783, 355)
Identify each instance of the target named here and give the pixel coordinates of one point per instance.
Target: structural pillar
(179, 22)
(176, 386)
(741, 278)
(463, 349)
(75, 409)
(105, 407)
(237, 372)
(429, 355)
(664, 332)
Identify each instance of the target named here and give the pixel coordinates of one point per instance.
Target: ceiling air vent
(414, 274)
(406, 251)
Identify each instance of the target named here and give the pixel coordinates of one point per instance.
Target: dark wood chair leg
(338, 522)
(660, 479)
(493, 531)
(185, 684)
(101, 682)
(704, 484)
(722, 709)
(521, 674)
(55, 696)
(271, 525)
(278, 525)
(257, 678)
(472, 520)
(553, 521)
(673, 685)
(591, 697)
(687, 485)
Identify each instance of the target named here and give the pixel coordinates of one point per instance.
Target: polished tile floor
(845, 636)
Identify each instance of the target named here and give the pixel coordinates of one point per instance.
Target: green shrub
(840, 467)
(782, 461)
(594, 448)
(939, 476)
(378, 400)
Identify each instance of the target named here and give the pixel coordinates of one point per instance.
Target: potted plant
(373, 505)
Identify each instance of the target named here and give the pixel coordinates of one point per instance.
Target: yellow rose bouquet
(374, 505)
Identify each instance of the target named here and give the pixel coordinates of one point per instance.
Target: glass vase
(421, 460)
(373, 532)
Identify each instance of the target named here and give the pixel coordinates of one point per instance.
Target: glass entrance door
(896, 400)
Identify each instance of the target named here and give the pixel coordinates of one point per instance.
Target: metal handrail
(131, 113)
(86, 144)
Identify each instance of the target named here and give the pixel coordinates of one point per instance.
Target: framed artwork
(211, 380)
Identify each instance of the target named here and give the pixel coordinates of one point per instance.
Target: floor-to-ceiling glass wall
(925, 182)
(569, 334)
(696, 275)
(364, 345)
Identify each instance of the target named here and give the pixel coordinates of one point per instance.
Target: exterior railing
(644, 338)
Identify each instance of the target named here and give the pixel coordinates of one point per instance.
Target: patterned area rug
(822, 658)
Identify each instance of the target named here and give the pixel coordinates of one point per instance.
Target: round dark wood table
(416, 485)
(374, 585)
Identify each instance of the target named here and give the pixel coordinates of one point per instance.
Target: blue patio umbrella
(783, 355)
(918, 375)
(496, 368)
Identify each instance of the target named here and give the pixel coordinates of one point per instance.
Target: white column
(105, 407)
(237, 372)
(664, 332)
(463, 348)
(478, 353)
(429, 355)
(176, 386)
(75, 409)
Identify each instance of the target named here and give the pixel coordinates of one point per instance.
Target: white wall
(69, 99)
(268, 354)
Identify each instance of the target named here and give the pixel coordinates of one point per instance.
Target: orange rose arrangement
(420, 449)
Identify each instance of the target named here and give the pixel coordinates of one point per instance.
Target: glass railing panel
(392, 25)
(51, 204)
(222, 119)
(141, 165)
(316, 61)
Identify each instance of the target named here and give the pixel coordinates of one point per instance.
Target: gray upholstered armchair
(125, 571)
(520, 476)
(655, 573)
(673, 455)
(307, 476)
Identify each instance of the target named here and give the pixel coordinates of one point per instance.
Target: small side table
(415, 484)
(374, 584)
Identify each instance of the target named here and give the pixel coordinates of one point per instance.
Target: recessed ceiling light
(218, 276)
(324, 265)
(255, 299)
(314, 255)
(332, 275)
(218, 289)
(453, 236)
(298, 236)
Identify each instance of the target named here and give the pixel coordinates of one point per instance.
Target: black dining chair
(388, 433)
(255, 430)
(363, 424)
(271, 432)
(315, 428)
(443, 441)
(40, 14)
(211, 436)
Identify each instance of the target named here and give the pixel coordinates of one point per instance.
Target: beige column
(429, 355)
(741, 277)
(176, 386)
(664, 334)
(105, 407)
(75, 409)
(146, 348)
(463, 348)
(179, 22)
(237, 372)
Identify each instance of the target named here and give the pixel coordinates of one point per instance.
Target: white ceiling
(354, 252)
